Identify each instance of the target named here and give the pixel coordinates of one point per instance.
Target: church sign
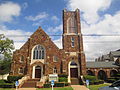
(53, 77)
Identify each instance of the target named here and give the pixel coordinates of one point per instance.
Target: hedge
(48, 85)
(13, 78)
(59, 85)
(63, 75)
(63, 79)
(7, 85)
(93, 80)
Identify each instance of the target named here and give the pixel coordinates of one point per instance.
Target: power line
(62, 35)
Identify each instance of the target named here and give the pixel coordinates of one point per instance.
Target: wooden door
(74, 72)
(38, 72)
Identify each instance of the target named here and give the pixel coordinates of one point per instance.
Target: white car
(114, 86)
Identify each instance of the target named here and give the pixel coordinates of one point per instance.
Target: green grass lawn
(95, 87)
(6, 89)
(62, 88)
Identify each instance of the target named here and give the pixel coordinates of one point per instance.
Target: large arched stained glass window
(39, 52)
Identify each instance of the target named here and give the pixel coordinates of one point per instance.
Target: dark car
(114, 86)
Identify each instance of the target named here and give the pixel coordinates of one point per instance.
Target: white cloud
(37, 17)
(55, 19)
(55, 29)
(8, 10)
(16, 35)
(89, 8)
(58, 43)
(97, 46)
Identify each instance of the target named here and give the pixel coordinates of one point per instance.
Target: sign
(16, 83)
(53, 77)
(52, 82)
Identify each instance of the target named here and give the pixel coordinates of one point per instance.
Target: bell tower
(72, 38)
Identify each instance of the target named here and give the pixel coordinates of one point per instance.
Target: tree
(6, 47)
(5, 67)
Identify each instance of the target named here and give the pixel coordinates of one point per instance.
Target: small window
(54, 70)
(55, 58)
(22, 59)
(21, 71)
(72, 42)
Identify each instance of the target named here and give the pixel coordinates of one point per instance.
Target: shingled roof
(101, 65)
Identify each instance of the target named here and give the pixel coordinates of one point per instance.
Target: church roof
(109, 64)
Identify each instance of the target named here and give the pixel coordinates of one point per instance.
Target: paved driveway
(79, 87)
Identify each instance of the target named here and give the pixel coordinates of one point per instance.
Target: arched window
(38, 52)
(71, 24)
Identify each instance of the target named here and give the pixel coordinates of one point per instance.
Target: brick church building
(39, 56)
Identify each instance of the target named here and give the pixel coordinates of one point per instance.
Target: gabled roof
(109, 64)
(115, 53)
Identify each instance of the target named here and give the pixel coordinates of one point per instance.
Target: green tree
(6, 47)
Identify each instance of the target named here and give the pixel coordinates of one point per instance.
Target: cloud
(90, 8)
(18, 36)
(8, 11)
(55, 29)
(40, 16)
(55, 19)
(96, 46)
(58, 43)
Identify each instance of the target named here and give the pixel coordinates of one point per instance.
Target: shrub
(13, 78)
(63, 79)
(48, 85)
(63, 75)
(67, 84)
(110, 80)
(91, 78)
(7, 85)
(2, 81)
(59, 85)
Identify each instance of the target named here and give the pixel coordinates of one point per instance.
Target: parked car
(114, 86)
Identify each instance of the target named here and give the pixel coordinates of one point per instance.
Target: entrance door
(37, 72)
(74, 72)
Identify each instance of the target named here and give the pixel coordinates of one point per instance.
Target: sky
(100, 22)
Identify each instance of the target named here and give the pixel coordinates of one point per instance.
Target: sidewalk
(79, 87)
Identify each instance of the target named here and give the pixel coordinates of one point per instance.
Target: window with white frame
(54, 70)
(72, 42)
(21, 70)
(39, 52)
(55, 58)
(22, 58)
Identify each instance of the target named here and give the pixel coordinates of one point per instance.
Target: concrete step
(30, 83)
(75, 81)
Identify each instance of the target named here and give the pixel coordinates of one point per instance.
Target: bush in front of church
(93, 79)
(13, 78)
(63, 78)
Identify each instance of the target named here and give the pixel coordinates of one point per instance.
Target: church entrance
(37, 72)
(73, 70)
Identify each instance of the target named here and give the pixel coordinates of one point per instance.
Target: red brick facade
(23, 62)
